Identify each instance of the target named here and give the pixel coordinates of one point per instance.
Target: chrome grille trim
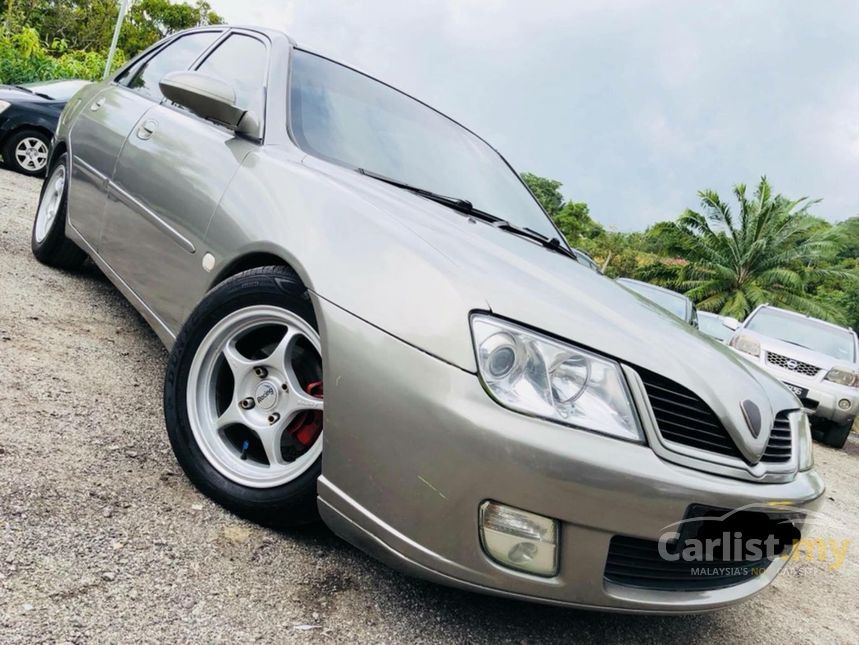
(791, 364)
(703, 460)
(684, 418)
(683, 421)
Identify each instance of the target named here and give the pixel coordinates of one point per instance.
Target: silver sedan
(371, 319)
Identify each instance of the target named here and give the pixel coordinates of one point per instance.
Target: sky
(633, 105)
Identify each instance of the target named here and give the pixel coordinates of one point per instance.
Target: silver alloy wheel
(31, 153)
(52, 197)
(266, 396)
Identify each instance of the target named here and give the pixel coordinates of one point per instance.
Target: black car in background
(28, 118)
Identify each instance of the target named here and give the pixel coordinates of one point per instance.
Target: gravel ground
(104, 539)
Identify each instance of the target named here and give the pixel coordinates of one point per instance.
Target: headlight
(746, 344)
(4, 105)
(537, 375)
(842, 377)
(804, 443)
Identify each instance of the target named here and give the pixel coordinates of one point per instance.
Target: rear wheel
(243, 398)
(835, 435)
(48, 240)
(26, 151)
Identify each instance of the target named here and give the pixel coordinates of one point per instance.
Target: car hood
(825, 362)
(13, 94)
(534, 286)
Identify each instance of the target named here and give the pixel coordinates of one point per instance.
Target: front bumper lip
(580, 583)
(405, 483)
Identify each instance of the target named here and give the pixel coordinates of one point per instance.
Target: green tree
(546, 191)
(572, 218)
(575, 222)
(767, 251)
(148, 21)
(664, 239)
(88, 24)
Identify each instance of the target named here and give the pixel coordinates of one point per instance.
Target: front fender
(18, 120)
(348, 250)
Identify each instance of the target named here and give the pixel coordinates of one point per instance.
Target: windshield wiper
(465, 206)
(462, 205)
(29, 91)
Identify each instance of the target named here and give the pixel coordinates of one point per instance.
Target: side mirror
(731, 323)
(210, 98)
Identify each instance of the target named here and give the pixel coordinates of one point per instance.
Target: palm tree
(766, 252)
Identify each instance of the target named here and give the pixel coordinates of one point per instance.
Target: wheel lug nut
(246, 403)
(261, 372)
(273, 418)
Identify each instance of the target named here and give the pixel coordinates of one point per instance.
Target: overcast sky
(633, 105)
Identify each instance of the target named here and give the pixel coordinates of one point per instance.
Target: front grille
(682, 417)
(792, 365)
(778, 447)
(634, 562)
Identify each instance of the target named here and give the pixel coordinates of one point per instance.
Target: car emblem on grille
(791, 364)
(752, 416)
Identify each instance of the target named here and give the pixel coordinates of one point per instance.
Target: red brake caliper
(307, 425)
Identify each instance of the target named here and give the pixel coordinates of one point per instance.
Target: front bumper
(821, 400)
(413, 446)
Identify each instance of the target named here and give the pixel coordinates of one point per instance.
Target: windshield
(713, 326)
(805, 332)
(673, 302)
(346, 117)
(57, 90)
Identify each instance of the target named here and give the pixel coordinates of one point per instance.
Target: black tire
(291, 504)
(56, 249)
(12, 142)
(835, 435)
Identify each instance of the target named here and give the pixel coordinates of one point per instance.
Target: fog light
(844, 404)
(519, 539)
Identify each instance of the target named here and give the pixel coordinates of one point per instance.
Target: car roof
(708, 314)
(798, 315)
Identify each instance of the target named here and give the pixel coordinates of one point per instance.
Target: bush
(24, 59)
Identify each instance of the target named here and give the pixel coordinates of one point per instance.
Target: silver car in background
(817, 361)
(714, 325)
(675, 303)
(371, 319)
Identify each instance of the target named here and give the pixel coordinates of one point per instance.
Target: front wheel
(48, 239)
(243, 398)
(26, 151)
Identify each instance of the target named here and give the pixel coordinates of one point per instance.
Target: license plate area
(745, 535)
(800, 392)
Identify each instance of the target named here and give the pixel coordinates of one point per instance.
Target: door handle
(146, 130)
(97, 105)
